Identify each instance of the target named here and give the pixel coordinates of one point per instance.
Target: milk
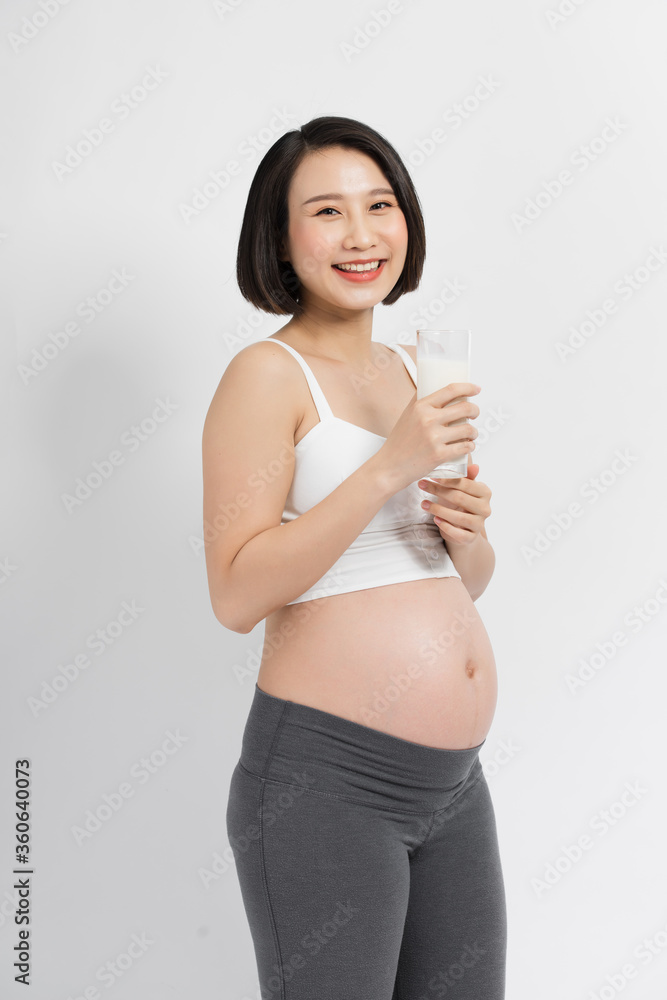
(433, 374)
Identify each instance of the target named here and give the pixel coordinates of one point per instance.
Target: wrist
(464, 546)
(385, 482)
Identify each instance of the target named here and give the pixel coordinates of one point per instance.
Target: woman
(359, 815)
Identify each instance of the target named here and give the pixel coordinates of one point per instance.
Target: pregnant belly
(411, 659)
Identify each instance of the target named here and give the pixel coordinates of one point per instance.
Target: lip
(360, 260)
(360, 276)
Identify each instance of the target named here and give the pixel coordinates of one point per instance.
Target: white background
(168, 335)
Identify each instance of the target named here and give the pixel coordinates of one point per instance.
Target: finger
(475, 502)
(453, 532)
(459, 518)
(468, 486)
(458, 500)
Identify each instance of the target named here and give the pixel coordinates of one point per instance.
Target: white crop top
(401, 542)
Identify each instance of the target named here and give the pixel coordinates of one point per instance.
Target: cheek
(397, 235)
(402, 232)
(310, 247)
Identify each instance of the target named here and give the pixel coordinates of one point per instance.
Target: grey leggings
(368, 865)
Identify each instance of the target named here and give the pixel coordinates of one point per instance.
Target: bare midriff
(411, 659)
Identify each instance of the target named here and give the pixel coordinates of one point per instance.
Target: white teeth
(371, 266)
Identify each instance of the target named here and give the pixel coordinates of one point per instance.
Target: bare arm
(282, 562)
(474, 563)
(255, 564)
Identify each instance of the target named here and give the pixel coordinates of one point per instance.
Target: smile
(370, 265)
(360, 272)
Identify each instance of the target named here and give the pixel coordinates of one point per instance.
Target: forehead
(336, 168)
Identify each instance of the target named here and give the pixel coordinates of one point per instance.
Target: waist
(372, 619)
(297, 744)
(399, 554)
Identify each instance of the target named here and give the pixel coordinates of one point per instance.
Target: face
(359, 223)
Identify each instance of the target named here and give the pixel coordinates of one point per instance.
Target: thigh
(325, 883)
(455, 936)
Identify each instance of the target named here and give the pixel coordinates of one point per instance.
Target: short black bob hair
(271, 284)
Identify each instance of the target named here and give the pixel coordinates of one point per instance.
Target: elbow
(243, 627)
(229, 615)
(225, 608)
(230, 619)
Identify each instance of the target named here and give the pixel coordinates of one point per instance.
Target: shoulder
(263, 359)
(262, 348)
(259, 370)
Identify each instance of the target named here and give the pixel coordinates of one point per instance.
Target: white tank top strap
(321, 405)
(409, 363)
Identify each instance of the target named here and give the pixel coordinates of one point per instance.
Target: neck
(341, 338)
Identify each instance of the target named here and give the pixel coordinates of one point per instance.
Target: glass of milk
(443, 356)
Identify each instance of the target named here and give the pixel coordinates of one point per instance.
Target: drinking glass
(443, 356)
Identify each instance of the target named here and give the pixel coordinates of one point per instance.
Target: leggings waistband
(285, 741)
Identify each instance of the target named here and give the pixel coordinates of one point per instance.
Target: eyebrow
(339, 197)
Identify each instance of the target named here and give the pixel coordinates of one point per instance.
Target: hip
(290, 744)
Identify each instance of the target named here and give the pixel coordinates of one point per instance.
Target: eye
(387, 203)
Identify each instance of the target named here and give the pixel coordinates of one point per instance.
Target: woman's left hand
(461, 508)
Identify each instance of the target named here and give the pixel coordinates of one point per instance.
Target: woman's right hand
(424, 434)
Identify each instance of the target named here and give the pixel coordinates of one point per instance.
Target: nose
(360, 234)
